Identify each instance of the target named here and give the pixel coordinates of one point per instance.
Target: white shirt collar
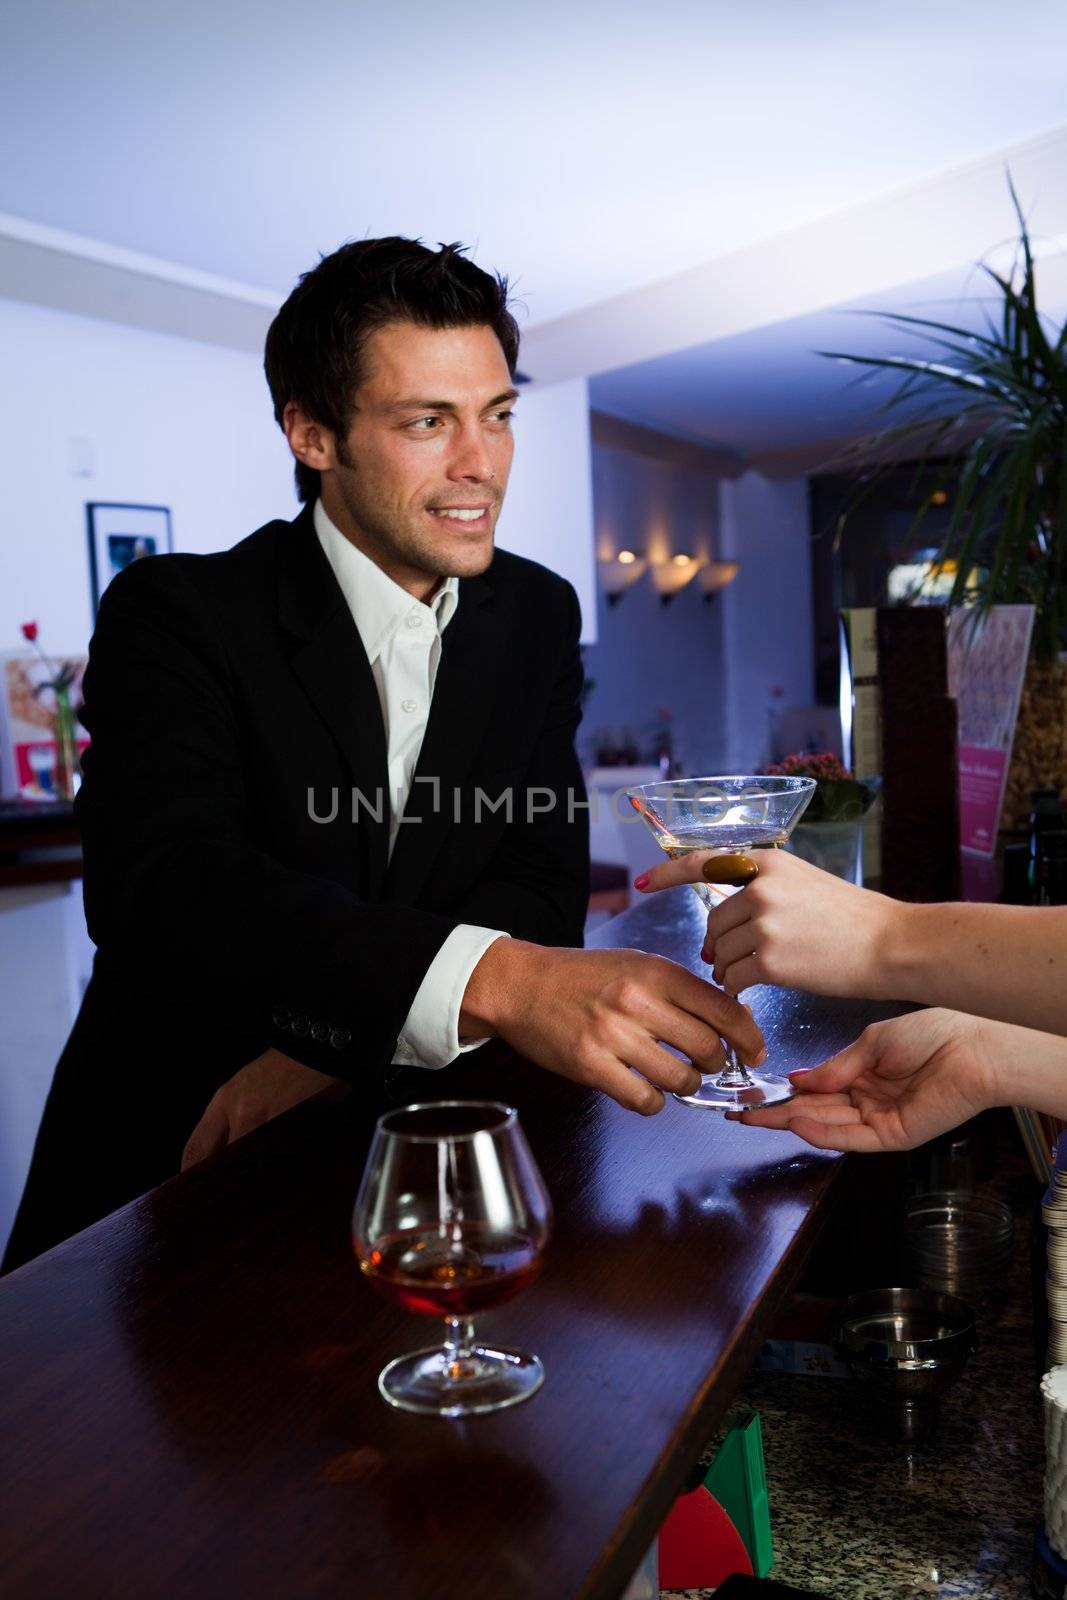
(378, 604)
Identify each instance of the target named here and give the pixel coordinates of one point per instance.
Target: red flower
(823, 765)
(29, 631)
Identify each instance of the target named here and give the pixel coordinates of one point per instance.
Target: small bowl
(908, 1347)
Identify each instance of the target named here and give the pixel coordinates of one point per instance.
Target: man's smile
(471, 516)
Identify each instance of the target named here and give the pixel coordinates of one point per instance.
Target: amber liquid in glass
(451, 1272)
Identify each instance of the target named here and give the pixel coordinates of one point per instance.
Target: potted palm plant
(997, 405)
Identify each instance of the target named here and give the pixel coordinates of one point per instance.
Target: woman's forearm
(1030, 1068)
(1005, 962)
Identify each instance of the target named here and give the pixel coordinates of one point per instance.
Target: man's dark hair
(315, 346)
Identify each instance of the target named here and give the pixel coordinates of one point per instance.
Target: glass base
(766, 1089)
(434, 1383)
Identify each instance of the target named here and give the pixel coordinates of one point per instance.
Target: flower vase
(833, 846)
(66, 744)
(830, 833)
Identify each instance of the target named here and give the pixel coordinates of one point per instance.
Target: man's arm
(261, 1090)
(170, 874)
(536, 885)
(602, 1017)
(172, 877)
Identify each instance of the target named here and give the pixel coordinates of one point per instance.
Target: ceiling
(587, 150)
(773, 399)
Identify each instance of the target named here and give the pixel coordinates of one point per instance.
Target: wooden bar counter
(188, 1400)
(39, 843)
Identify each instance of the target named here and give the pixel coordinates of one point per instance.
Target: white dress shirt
(402, 638)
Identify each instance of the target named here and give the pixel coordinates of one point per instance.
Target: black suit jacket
(234, 815)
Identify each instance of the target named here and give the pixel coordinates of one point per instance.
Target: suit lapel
(331, 664)
(469, 682)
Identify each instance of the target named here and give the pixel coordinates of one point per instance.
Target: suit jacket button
(300, 1026)
(340, 1037)
(281, 1017)
(320, 1031)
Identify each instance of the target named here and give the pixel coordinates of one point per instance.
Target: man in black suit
(332, 815)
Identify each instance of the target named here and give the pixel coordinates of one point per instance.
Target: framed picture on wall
(119, 534)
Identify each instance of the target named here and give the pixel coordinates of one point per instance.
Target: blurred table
(45, 957)
(39, 843)
(188, 1401)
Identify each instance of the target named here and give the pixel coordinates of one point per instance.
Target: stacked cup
(1054, 1391)
(1054, 1214)
(958, 1243)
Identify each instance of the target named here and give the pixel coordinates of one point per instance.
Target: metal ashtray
(908, 1346)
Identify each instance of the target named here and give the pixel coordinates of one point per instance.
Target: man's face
(431, 434)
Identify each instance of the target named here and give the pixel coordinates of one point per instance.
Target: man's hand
(901, 1083)
(793, 925)
(266, 1087)
(602, 1017)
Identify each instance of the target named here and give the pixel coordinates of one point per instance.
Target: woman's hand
(793, 925)
(901, 1083)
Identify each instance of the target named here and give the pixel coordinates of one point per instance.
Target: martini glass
(724, 820)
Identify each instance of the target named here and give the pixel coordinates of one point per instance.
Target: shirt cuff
(430, 1035)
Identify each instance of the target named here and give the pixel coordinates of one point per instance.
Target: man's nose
(471, 457)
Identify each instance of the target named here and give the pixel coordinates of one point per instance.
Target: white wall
(713, 666)
(166, 421)
(649, 655)
(45, 962)
(548, 513)
(766, 611)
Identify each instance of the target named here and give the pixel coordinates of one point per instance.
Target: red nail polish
(642, 881)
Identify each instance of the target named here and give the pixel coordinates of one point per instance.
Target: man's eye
(502, 416)
(417, 424)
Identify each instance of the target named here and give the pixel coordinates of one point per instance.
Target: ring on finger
(731, 870)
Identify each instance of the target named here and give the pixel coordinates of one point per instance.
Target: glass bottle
(1055, 888)
(1046, 814)
(1017, 889)
(1052, 847)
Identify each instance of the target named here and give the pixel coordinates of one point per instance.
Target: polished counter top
(188, 1399)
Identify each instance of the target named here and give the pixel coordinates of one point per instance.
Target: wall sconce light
(619, 573)
(715, 575)
(673, 575)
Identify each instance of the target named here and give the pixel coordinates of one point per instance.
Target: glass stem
(734, 1075)
(459, 1337)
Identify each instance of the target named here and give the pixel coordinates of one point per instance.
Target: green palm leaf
(1000, 396)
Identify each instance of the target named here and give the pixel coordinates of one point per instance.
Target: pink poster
(982, 775)
(986, 666)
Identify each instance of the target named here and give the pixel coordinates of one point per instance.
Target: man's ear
(309, 441)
